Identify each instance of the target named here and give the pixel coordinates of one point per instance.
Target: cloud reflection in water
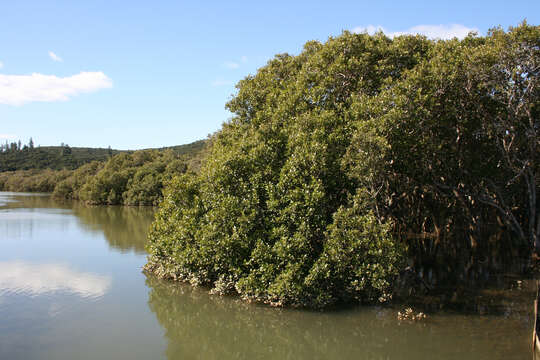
(38, 279)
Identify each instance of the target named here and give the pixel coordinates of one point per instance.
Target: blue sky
(140, 74)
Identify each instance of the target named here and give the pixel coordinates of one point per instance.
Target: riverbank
(135, 178)
(121, 178)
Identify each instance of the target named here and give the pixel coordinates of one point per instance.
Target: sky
(142, 74)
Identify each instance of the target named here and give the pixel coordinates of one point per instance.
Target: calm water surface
(71, 287)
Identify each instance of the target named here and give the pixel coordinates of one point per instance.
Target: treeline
(125, 179)
(356, 158)
(16, 146)
(128, 178)
(15, 156)
(36, 180)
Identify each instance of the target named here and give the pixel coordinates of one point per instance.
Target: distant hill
(65, 157)
(187, 149)
(52, 157)
(192, 153)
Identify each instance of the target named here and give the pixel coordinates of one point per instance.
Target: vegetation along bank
(123, 178)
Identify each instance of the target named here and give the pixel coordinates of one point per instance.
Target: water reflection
(44, 314)
(18, 277)
(70, 282)
(198, 325)
(125, 228)
(13, 200)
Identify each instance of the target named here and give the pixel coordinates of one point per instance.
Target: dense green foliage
(335, 157)
(457, 145)
(32, 180)
(128, 178)
(268, 215)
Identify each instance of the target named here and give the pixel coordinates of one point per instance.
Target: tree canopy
(334, 157)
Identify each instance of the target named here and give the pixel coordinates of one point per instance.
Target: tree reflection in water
(199, 325)
(124, 227)
(494, 323)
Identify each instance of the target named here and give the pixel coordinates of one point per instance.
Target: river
(71, 287)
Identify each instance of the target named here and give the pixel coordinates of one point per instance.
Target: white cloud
(444, 32)
(244, 59)
(1, 64)
(21, 89)
(55, 57)
(34, 280)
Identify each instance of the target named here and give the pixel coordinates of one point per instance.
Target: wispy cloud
(55, 57)
(235, 64)
(1, 64)
(8, 137)
(21, 89)
(221, 82)
(444, 32)
(231, 65)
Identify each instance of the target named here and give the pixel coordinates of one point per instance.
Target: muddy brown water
(71, 287)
